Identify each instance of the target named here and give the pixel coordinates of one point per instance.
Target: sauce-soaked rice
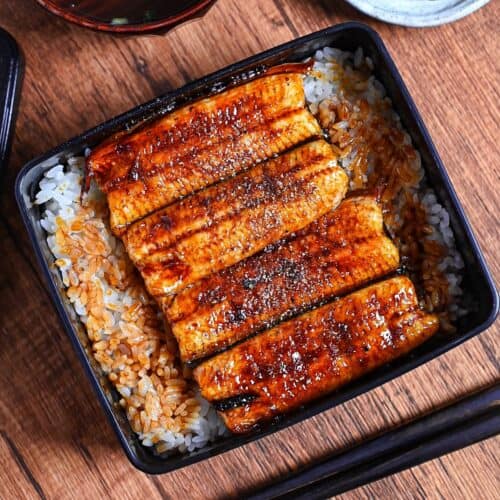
(126, 331)
(378, 153)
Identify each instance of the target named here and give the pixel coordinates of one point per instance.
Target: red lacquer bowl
(128, 16)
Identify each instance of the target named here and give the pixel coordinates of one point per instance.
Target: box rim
(303, 414)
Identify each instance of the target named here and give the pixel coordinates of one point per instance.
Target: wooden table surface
(54, 439)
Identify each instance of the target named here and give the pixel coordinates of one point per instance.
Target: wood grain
(54, 439)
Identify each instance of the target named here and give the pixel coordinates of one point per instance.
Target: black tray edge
(217, 75)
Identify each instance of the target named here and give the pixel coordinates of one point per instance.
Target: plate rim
(454, 13)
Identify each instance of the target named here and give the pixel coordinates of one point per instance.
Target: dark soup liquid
(126, 11)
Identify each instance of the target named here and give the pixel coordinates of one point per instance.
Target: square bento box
(477, 281)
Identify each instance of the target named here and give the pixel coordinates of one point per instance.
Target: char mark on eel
(343, 250)
(311, 355)
(200, 144)
(230, 221)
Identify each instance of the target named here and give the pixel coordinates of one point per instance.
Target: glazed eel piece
(343, 250)
(200, 144)
(311, 355)
(232, 220)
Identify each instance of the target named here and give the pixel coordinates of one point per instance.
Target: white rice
(60, 195)
(324, 83)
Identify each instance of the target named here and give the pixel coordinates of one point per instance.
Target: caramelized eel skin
(309, 356)
(342, 250)
(235, 219)
(200, 144)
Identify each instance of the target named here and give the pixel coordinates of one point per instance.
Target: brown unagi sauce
(121, 138)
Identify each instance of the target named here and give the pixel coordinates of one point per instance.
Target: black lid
(10, 78)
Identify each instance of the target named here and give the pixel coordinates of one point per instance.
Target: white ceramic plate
(418, 13)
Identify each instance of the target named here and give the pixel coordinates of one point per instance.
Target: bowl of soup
(128, 16)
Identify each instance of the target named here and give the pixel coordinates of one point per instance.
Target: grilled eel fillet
(200, 144)
(232, 220)
(314, 354)
(344, 249)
